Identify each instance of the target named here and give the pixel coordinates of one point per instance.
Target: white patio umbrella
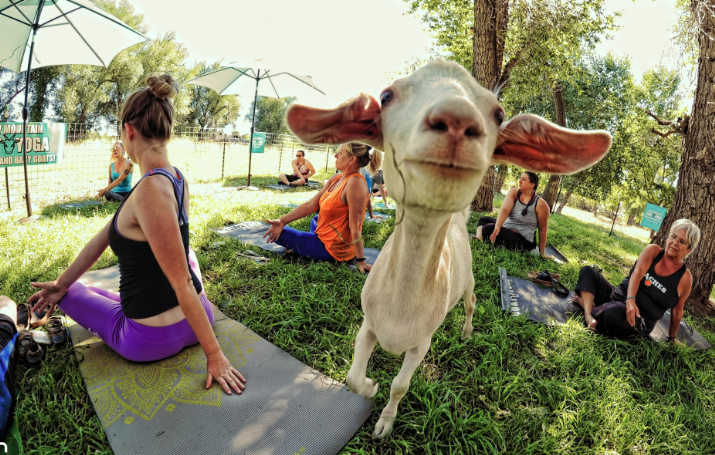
(74, 32)
(226, 80)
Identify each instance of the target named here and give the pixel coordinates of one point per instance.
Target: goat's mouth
(444, 167)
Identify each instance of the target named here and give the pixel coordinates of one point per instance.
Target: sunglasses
(299, 156)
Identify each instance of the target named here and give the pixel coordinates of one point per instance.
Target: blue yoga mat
(282, 187)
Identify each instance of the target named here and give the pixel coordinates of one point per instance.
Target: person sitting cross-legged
(335, 234)
(657, 282)
(302, 170)
(162, 306)
(522, 213)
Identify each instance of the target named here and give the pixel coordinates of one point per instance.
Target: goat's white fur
(425, 266)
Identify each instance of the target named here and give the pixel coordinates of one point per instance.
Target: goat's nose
(455, 116)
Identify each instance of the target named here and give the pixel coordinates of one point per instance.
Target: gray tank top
(525, 225)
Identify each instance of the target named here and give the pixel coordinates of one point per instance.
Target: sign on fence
(45, 143)
(653, 216)
(259, 142)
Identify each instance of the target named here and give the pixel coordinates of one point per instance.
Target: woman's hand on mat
(274, 231)
(47, 297)
(363, 267)
(221, 371)
(494, 235)
(632, 312)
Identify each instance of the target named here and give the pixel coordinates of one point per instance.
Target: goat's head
(441, 130)
(9, 143)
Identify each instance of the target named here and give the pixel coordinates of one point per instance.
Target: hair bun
(162, 86)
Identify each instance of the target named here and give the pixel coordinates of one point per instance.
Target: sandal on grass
(252, 255)
(29, 351)
(56, 330)
(26, 318)
(543, 278)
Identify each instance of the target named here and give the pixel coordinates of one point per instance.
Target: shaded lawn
(514, 387)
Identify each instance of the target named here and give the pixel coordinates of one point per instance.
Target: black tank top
(143, 288)
(656, 294)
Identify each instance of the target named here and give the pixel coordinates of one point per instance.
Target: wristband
(359, 259)
(630, 297)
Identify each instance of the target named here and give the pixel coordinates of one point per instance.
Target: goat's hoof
(383, 427)
(467, 333)
(367, 387)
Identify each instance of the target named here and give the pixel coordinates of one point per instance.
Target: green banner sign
(653, 216)
(259, 143)
(45, 143)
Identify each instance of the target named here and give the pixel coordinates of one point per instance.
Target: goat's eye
(499, 116)
(386, 97)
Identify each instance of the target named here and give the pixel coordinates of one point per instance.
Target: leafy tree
(206, 108)
(696, 178)
(270, 114)
(535, 43)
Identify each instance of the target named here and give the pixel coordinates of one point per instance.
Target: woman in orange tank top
(342, 203)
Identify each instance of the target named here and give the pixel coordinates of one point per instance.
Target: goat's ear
(538, 145)
(356, 120)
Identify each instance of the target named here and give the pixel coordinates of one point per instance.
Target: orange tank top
(334, 212)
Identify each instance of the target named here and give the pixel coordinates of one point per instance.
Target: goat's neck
(418, 243)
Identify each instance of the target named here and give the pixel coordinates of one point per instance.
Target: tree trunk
(491, 18)
(631, 220)
(552, 188)
(566, 198)
(695, 197)
(500, 177)
(484, 201)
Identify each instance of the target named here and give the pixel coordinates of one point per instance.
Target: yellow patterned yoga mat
(163, 408)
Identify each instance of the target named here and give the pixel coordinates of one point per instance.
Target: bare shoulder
(541, 204)
(512, 193)
(650, 252)
(155, 190)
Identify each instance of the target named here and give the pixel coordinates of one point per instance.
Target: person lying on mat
(657, 282)
(336, 233)
(120, 176)
(161, 306)
(522, 213)
(302, 170)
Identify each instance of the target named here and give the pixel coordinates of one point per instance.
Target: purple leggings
(100, 312)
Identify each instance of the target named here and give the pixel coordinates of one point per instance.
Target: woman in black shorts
(657, 282)
(521, 215)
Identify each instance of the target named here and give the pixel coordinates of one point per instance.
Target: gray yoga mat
(550, 249)
(78, 205)
(163, 407)
(542, 305)
(384, 216)
(282, 187)
(251, 232)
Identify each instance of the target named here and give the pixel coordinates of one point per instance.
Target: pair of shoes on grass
(29, 342)
(550, 280)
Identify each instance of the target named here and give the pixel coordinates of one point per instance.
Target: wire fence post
(7, 189)
(327, 157)
(614, 218)
(223, 160)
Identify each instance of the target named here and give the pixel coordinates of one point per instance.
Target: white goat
(440, 131)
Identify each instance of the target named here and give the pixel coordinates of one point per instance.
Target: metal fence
(202, 155)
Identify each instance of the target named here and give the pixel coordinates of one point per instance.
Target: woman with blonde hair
(657, 282)
(336, 233)
(161, 306)
(121, 170)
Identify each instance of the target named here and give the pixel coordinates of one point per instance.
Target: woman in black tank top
(161, 307)
(657, 282)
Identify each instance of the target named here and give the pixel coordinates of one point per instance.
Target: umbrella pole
(24, 110)
(253, 122)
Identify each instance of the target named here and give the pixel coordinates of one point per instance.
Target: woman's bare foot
(590, 320)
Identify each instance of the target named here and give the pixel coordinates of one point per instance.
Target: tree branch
(664, 135)
(657, 119)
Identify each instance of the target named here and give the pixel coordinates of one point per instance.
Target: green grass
(514, 387)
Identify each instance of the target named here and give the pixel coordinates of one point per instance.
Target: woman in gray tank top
(522, 213)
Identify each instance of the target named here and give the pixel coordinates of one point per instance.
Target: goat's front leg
(400, 384)
(357, 376)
